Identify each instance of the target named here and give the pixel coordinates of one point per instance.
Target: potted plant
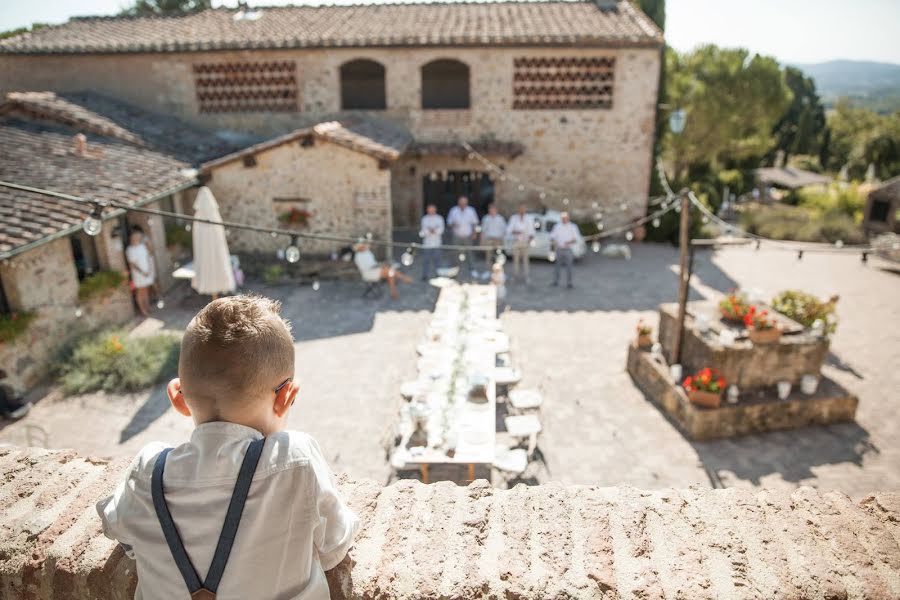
(644, 333)
(704, 388)
(807, 309)
(760, 327)
(733, 306)
(296, 217)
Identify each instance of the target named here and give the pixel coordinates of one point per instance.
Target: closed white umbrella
(213, 274)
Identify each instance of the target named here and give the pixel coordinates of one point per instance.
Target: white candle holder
(784, 390)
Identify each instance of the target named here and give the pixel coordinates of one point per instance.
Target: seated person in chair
(371, 270)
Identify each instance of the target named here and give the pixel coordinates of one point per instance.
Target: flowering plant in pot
(760, 327)
(705, 387)
(296, 217)
(734, 306)
(644, 333)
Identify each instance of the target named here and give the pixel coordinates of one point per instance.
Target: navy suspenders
(207, 588)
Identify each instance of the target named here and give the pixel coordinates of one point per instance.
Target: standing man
(493, 229)
(462, 220)
(564, 236)
(432, 233)
(521, 230)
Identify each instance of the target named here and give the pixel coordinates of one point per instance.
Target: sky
(794, 31)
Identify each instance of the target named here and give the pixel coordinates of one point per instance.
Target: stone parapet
(446, 541)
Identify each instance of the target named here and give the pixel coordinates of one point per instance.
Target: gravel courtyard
(352, 355)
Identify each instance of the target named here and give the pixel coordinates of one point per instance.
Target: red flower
(721, 383)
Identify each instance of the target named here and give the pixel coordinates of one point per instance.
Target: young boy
(236, 382)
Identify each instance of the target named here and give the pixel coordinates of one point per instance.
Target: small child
(244, 509)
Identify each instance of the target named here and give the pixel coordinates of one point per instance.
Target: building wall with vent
(588, 148)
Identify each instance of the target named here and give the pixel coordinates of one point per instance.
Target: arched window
(362, 85)
(445, 84)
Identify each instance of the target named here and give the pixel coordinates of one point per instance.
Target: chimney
(80, 144)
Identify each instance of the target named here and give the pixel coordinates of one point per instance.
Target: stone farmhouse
(561, 94)
(354, 115)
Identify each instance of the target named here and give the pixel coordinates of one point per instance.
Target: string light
(407, 258)
(292, 252)
(93, 223)
(462, 257)
(551, 256)
(656, 222)
(315, 285)
(501, 258)
(629, 236)
(160, 304)
(595, 246)
(839, 244)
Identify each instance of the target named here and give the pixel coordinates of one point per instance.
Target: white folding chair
(523, 400)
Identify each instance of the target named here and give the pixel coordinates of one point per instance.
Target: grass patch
(99, 283)
(14, 324)
(801, 223)
(110, 361)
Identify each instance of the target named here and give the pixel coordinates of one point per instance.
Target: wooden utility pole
(684, 240)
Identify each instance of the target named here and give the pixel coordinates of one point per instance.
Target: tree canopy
(801, 129)
(166, 7)
(859, 137)
(732, 99)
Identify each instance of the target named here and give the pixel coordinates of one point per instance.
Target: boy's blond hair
(233, 351)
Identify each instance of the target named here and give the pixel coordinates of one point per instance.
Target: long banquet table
(456, 357)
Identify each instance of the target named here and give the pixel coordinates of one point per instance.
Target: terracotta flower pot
(764, 336)
(644, 341)
(705, 399)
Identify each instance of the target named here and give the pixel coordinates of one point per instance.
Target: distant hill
(869, 84)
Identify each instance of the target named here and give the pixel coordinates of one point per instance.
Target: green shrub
(273, 274)
(806, 309)
(99, 283)
(113, 362)
(670, 223)
(177, 235)
(800, 223)
(13, 325)
(837, 198)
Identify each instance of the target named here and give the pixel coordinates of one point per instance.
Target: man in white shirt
(563, 237)
(462, 221)
(521, 230)
(432, 233)
(493, 229)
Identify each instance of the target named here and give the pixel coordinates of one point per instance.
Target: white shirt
(462, 222)
(432, 230)
(520, 227)
(564, 234)
(493, 226)
(367, 265)
(294, 525)
(140, 257)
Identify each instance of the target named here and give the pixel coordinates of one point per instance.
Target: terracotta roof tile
(603, 22)
(44, 156)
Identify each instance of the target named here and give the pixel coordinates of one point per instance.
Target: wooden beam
(683, 275)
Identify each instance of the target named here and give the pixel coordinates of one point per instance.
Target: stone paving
(570, 344)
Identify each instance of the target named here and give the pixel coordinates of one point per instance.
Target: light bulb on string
(705, 219)
(595, 205)
(478, 229)
(93, 223)
(462, 257)
(292, 252)
(629, 236)
(521, 188)
(656, 222)
(566, 201)
(160, 304)
(532, 242)
(678, 208)
(187, 227)
(407, 258)
(79, 313)
(839, 244)
(471, 155)
(274, 234)
(599, 226)
(369, 235)
(624, 206)
(542, 195)
(595, 246)
(551, 256)
(501, 258)
(315, 285)
(537, 225)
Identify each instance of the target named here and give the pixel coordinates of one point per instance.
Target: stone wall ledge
(450, 542)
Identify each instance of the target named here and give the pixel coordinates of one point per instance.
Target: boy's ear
(285, 398)
(173, 390)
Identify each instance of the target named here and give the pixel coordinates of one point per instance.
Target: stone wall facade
(44, 281)
(590, 155)
(347, 192)
(445, 541)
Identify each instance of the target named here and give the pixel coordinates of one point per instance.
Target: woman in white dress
(143, 273)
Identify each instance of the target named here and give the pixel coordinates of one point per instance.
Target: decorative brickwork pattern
(246, 86)
(563, 83)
